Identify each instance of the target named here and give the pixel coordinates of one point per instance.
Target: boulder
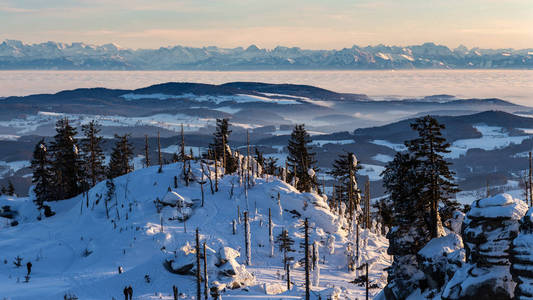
(489, 229)
(522, 258)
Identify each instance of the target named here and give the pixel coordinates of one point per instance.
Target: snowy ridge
(16, 54)
(79, 250)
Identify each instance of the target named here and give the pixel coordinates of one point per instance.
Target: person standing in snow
(130, 292)
(28, 266)
(126, 293)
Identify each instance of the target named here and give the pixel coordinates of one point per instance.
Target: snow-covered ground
(12, 166)
(493, 137)
(393, 146)
(372, 171)
(79, 250)
(213, 99)
(321, 143)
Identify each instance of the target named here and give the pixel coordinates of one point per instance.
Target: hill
(79, 250)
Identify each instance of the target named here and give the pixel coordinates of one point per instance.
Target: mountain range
(16, 55)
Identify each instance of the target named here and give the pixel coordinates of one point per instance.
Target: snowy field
(79, 250)
(492, 138)
(30, 123)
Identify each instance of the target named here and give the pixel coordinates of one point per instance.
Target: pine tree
(259, 157)
(120, 157)
(10, 188)
(344, 170)
(285, 244)
(220, 149)
(146, 152)
(66, 162)
(301, 159)
(438, 181)
(411, 215)
(93, 154)
(404, 184)
(271, 165)
(42, 176)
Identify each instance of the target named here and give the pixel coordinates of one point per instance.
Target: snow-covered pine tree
(438, 181)
(301, 159)
(411, 214)
(344, 170)
(122, 153)
(93, 155)
(219, 149)
(42, 179)
(66, 162)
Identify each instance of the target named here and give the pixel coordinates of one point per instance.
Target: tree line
(66, 166)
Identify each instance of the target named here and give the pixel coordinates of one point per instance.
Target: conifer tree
(271, 165)
(301, 159)
(146, 152)
(438, 182)
(412, 220)
(285, 244)
(66, 162)
(344, 170)
(42, 179)
(219, 149)
(93, 154)
(120, 157)
(10, 188)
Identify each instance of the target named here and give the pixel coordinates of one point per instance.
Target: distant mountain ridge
(80, 56)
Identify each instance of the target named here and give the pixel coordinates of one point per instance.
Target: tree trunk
(198, 278)
(146, 158)
(247, 239)
(306, 248)
(206, 283)
(270, 234)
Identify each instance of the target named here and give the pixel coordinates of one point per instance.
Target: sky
(311, 24)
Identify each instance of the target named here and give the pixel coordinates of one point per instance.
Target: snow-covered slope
(79, 250)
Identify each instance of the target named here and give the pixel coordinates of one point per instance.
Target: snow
(30, 123)
(499, 206)
(393, 146)
(493, 137)
(79, 250)
(442, 246)
(239, 98)
(372, 171)
(12, 166)
(382, 158)
(176, 149)
(9, 137)
(321, 143)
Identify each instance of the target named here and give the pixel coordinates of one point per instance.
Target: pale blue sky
(309, 24)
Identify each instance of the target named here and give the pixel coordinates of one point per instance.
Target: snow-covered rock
(489, 229)
(522, 258)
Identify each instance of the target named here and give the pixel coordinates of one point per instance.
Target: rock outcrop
(522, 259)
(489, 229)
